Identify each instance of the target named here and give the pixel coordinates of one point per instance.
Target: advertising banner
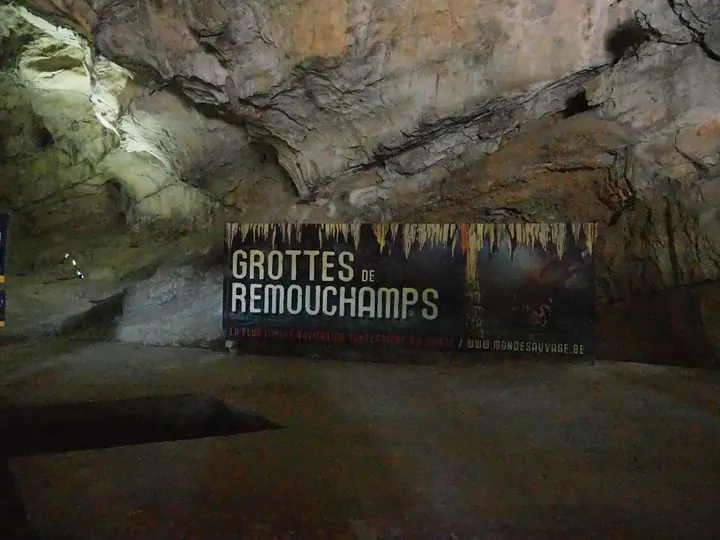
(525, 288)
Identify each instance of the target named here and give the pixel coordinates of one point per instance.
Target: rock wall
(177, 306)
(87, 146)
(677, 326)
(121, 116)
(335, 86)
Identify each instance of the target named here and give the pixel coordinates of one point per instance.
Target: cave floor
(377, 451)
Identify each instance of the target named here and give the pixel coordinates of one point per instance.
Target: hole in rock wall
(120, 202)
(264, 151)
(577, 104)
(626, 38)
(10, 47)
(44, 139)
(269, 162)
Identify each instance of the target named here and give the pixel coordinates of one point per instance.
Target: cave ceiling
(120, 113)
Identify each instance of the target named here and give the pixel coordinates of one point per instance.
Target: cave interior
(132, 133)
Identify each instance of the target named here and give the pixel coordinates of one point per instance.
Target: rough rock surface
(676, 326)
(36, 309)
(118, 114)
(177, 306)
(336, 86)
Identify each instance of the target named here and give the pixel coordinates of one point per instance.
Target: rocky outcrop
(105, 151)
(373, 99)
(118, 114)
(357, 102)
(672, 235)
(36, 310)
(334, 87)
(179, 306)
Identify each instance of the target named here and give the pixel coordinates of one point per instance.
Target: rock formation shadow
(576, 104)
(626, 38)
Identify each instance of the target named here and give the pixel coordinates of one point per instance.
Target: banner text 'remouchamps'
(331, 299)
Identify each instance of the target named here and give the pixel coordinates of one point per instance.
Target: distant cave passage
(44, 139)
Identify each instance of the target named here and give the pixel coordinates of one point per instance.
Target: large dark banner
(4, 220)
(486, 287)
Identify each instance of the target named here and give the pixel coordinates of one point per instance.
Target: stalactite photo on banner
(487, 287)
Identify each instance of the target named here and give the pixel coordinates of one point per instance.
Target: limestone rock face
(84, 144)
(675, 163)
(177, 306)
(334, 86)
(358, 103)
(120, 117)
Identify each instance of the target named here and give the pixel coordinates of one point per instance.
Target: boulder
(180, 306)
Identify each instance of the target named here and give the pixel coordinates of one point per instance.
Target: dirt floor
(374, 451)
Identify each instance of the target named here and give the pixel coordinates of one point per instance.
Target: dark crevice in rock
(708, 51)
(214, 258)
(206, 38)
(553, 167)
(642, 19)
(695, 24)
(140, 274)
(378, 162)
(266, 151)
(269, 154)
(672, 248)
(619, 176)
(120, 202)
(178, 86)
(318, 65)
(502, 214)
(577, 104)
(428, 131)
(627, 38)
(44, 139)
(11, 47)
(615, 218)
(703, 171)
